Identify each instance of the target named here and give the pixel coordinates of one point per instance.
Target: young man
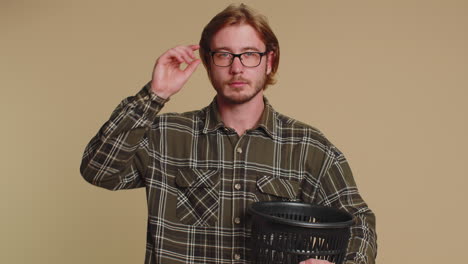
(202, 169)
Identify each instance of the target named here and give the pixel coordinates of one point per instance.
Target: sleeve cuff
(154, 97)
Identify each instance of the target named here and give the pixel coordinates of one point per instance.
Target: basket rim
(289, 222)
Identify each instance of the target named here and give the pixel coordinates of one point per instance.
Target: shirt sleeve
(115, 158)
(338, 189)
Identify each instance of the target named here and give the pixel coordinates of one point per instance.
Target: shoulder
(311, 135)
(189, 118)
(286, 123)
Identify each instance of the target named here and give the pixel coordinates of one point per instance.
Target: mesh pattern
(289, 232)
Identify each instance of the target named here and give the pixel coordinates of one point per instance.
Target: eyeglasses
(248, 59)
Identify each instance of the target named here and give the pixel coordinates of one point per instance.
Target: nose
(236, 66)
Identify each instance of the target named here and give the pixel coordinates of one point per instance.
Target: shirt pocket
(273, 188)
(198, 196)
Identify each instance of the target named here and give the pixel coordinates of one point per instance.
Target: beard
(234, 95)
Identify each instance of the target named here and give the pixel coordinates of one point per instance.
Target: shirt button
(236, 256)
(237, 220)
(239, 150)
(237, 186)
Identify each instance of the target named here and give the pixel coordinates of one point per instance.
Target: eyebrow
(242, 50)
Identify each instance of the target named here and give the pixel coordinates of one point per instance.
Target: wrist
(153, 96)
(159, 93)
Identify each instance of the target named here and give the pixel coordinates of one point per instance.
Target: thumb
(191, 67)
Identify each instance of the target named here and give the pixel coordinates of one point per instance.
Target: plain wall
(386, 81)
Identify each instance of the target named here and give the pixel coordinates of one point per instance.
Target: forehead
(237, 38)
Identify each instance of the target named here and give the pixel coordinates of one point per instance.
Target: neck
(241, 117)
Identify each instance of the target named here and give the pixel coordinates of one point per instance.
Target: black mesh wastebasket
(290, 232)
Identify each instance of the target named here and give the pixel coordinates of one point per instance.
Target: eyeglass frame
(238, 55)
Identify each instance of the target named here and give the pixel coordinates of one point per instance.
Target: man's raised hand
(168, 76)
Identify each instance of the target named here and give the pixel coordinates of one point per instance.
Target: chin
(238, 98)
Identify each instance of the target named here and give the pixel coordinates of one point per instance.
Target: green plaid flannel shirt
(200, 177)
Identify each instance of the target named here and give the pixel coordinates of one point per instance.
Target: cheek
(216, 77)
(221, 73)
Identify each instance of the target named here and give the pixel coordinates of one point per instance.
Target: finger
(189, 49)
(179, 54)
(189, 52)
(172, 55)
(191, 67)
(184, 53)
(194, 47)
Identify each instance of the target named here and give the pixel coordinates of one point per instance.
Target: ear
(270, 56)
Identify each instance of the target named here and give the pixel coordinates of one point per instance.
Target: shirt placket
(237, 204)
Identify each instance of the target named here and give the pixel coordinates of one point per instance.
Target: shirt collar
(214, 122)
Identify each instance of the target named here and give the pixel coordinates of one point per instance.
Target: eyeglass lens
(248, 59)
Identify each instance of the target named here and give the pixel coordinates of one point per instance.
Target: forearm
(114, 158)
(339, 189)
(363, 243)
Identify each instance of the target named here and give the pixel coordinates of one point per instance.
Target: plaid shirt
(200, 177)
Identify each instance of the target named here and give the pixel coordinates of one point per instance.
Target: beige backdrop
(386, 81)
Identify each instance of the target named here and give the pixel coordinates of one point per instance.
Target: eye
(223, 55)
(249, 54)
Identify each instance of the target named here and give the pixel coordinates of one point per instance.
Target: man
(202, 169)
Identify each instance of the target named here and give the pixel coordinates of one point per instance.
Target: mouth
(238, 84)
